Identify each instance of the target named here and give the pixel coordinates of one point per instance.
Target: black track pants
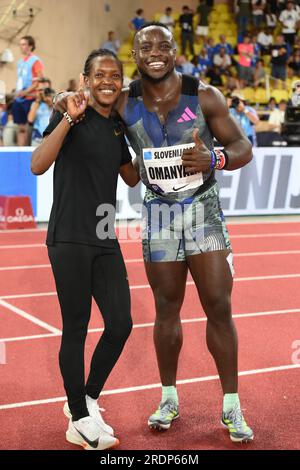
(82, 272)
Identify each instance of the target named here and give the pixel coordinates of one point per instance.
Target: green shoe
(238, 429)
(164, 415)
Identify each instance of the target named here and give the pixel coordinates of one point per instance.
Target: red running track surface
(266, 302)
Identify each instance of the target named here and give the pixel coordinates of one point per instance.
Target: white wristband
(69, 119)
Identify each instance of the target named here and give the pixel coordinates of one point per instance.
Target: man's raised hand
(198, 158)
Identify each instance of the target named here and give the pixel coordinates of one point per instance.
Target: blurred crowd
(26, 111)
(263, 56)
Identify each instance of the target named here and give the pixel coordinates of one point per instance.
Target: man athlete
(166, 109)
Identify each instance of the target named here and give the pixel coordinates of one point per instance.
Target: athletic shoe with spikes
(238, 429)
(162, 419)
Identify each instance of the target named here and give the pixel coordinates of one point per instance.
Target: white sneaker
(86, 433)
(94, 411)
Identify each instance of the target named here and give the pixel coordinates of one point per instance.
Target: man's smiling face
(154, 53)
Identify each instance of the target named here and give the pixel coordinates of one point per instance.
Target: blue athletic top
(146, 131)
(41, 120)
(138, 22)
(24, 67)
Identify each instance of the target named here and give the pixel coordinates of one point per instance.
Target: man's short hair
(152, 23)
(31, 41)
(45, 80)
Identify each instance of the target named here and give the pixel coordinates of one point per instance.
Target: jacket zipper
(165, 133)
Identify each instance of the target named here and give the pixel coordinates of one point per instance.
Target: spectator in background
(256, 51)
(276, 118)
(112, 43)
(294, 62)
(187, 29)
(271, 17)
(197, 70)
(272, 6)
(204, 61)
(46, 82)
(29, 70)
(72, 86)
(3, 120)
(245, 116)
(279, 58)
(228, 99)
(3, 112)
(224, 44)
(223, 61)
(295, 99)
(138, 20)
(281, 5)
(258, 12)
(203, 12)
(272, 104)
(265, 40)
(243, 17)
(135, 75)
(210, 48)
(289, 19)
(183, 65)
(259, 74)
(40, 113)
(297, 43)
(10, 129)
(215, 78)
(231, 83)
(167, 19)
(246, 54)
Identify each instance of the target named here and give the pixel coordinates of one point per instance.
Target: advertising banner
(270, 184)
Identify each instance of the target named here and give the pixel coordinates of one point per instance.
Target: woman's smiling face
(105, 80)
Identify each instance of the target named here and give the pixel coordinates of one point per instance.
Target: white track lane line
(29, 317)
(19, 268)
(139, 388)
(237, 279)
(146, 286)
(266, 253)
(148, 325)
(15, 247)
(242, 224)
(266, 235)
(140, 260)
(124, 242)
(242, 236)
(25, 230)
(28, 296)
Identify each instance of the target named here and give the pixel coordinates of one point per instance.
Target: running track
(266, 304)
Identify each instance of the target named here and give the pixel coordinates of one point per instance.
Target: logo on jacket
(187, 116)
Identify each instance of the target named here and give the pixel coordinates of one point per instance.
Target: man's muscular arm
(224, 128)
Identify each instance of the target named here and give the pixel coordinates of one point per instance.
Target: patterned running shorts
(174, 230)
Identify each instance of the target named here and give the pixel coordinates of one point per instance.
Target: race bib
(165, 171)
